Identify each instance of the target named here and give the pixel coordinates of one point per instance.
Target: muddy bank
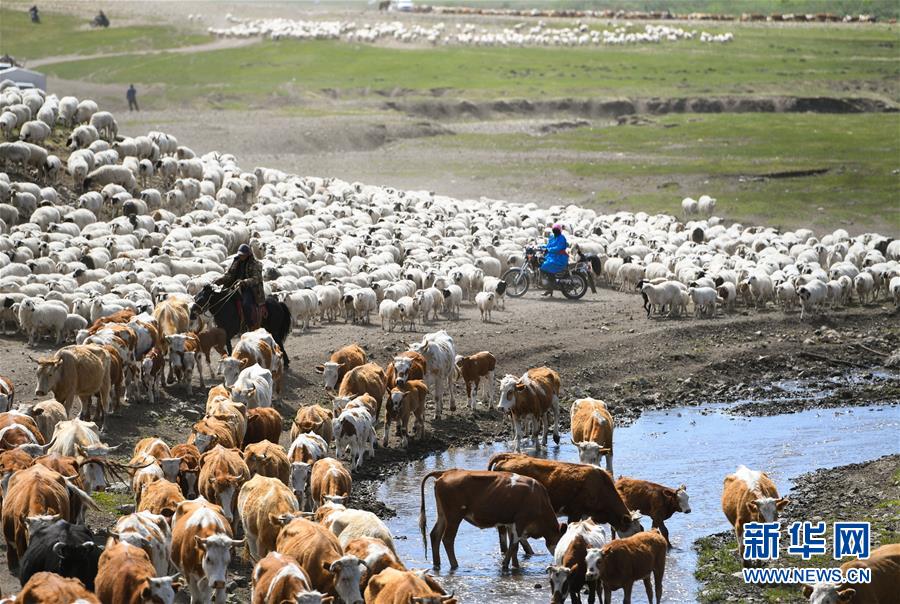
(442, 109)
(869, 491)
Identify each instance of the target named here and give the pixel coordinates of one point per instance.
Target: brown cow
(392, 586)
(486, 500)
(749, 496)
(126, 576)
(234, 413)
(46, 415)
(50, 588)
(188, 469)
(592, 432)
(402, 402)
(329, 478)
(154, 447)
(212, 431)
(222, 472)
(263, 423)
(472, 369)
(316, 419)
(173, 315)
(267, 458)
(10, 462)
(262, 502)
(212, 338)
(408, 365)
(576, 490)
(318, 552)
(621, 562)
(883, 563)
(122, 316)
(81, 371)
(278, 579)
(365, 379)
(568, 572)
(340, 362)
(654, 500)
(531, 398)
(201, 548)
(160, 497)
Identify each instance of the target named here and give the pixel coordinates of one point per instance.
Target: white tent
(20, 75)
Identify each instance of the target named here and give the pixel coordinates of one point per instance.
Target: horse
(222, 305)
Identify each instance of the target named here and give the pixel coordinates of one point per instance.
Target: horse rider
(557, 258)
(245, 273)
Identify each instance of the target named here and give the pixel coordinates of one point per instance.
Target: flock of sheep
(110, 222)
(466, 34)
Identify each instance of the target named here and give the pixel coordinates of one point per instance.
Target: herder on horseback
(245, 273)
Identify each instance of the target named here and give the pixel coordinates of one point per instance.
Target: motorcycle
(571, 281)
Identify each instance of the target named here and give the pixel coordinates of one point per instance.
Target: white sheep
(485, 303)
(705, 300)
(105, 175)
(34, 131)
(812, 296)
(390, 315)
(864, 284)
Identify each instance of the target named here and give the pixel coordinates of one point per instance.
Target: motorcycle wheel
(574, 286)
(517, 282)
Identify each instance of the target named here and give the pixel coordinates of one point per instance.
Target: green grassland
(809, 60)
(60, 34)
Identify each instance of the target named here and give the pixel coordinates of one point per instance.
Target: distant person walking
(35, 17)
(131, 95)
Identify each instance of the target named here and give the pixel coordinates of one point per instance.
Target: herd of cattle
(91, 257)
(463, 34)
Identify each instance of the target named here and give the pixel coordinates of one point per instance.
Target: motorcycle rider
(246, 272)
(557, 258)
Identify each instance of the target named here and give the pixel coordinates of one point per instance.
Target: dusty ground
(869, 491)
(602, 346)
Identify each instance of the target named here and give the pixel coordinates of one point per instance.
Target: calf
(222, 472)
(654, 500)
(883, 563)
(403, 402)
(365, 379)
(472, 369)
(485, 500)
(160, 497)
(253, 387)
(354, 429)
(212, 338)
(263, 423)
(51, 588)
(531, 397)
(278, 578)
(313, 418)
(621, 562)
(439, 352)
(749, 496)
(592, 432)
(568, 572)
(210, 432)
(392, 585)
(329, 478)
(261, 502)
(201, 548)
(266, 458)
(69, 550)
(188, 468)
(184, 350)
(318, 552)
(152, 366)
(150, 532)
(406, 366)
(128, 577)
(340, 362)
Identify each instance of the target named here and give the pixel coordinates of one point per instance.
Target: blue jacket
(556, 259)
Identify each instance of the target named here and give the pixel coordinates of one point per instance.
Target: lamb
(498, 287)
(485, 303)
(864, 284)
(364, 302)
(786, 295)
(705, 300)
(453, 295)
(408, 311)
(104, 175)
(72, 325)
(34, 131)
(390, 314)
(812, 295)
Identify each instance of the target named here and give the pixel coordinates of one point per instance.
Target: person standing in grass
(131, 95)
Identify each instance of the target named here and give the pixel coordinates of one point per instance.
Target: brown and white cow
(255, 348)
(408, 365)
(210, 432)
(201, 548)
(82, 371)
(621, 562)
(654, 500)
(340, 362)
(11, 462)
(46, 415)
(222, 472)
(592, 432)
(235, 414)
(50, 588)
(375, 553)
(365, 379)
(127, 576)
(188, 468)
(750, 496)
(160, 497)
(404, 401)
(883, 563)
(184, 355)
(263, 423)
(487, 500)
(567, 574)
(318, 552)
(329, 478)
(472, 369)
(153, 446)
(261, 502)
(173, 316)
(152, 369)
(7, 393)
(266, 458)
(148, 531)
(577, 490)
(313, 418)
(391, 586)
(531, 397)
(278, 578)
